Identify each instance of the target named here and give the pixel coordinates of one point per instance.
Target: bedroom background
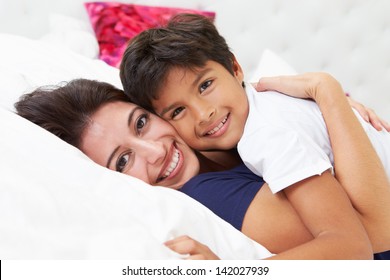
(350, 39)
(57, 204)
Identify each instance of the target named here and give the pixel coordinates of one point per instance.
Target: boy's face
(208, 107)
(130, 140)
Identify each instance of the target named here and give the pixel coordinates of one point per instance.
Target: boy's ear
(238, 73)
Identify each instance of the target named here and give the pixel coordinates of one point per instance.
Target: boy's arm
(326, 211)
(357, 165)
(366, 113)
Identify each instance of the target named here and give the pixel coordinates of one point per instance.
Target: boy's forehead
(178, 74)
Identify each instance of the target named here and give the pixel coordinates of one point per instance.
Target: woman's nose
(152, 151)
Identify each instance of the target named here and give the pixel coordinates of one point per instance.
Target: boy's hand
(187, 246)
(305, 86)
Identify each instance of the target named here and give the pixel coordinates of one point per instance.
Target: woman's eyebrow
(129, 121)
(130, 118)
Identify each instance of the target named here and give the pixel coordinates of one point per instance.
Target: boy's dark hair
(66, 110)
(188, 41)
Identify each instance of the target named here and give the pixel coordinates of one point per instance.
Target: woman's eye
(205, 85)
(122, 162)
(176, 112)
(141, 122)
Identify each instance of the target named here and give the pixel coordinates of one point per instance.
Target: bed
(55, 203)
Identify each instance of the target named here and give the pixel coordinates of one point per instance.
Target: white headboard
(349, 38)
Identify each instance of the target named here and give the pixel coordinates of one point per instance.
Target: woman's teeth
(173, 164)
(218, 127)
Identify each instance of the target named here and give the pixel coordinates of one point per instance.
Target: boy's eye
(176, 112)
(205, 85)
(122, 162)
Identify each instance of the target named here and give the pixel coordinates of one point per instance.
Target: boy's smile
(207, 106)
(219, 128)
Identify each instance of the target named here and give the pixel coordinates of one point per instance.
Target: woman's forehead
(112, 107)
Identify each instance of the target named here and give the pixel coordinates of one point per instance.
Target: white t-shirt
(285, 139)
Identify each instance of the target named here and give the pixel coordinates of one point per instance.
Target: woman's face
(129, 139)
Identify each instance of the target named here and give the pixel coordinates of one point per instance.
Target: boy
(196, 84)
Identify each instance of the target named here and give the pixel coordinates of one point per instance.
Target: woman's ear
(237, 70)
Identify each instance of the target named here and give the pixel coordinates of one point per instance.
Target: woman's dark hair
(65, 110)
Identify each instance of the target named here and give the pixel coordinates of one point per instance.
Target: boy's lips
(172, 165)
(217, 128)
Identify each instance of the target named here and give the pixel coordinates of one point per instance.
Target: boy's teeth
(218, 127)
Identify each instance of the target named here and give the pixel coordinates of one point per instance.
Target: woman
(124, 132)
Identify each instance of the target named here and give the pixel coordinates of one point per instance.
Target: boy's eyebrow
(129, 121)
(165, 110)
(198, 77)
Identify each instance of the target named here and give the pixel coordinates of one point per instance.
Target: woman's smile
(172, 166)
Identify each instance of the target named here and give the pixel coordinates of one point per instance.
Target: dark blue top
(227, 193)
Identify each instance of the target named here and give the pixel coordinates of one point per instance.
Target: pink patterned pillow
(115, 23)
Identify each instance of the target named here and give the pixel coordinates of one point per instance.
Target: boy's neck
(211, 161)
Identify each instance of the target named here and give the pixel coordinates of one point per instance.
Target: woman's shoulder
(227, 193)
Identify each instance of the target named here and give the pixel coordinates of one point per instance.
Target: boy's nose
(205, 114)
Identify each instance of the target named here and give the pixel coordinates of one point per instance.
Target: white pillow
(27, 64)
(271, 65)
(72, 33)
(55, 203)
